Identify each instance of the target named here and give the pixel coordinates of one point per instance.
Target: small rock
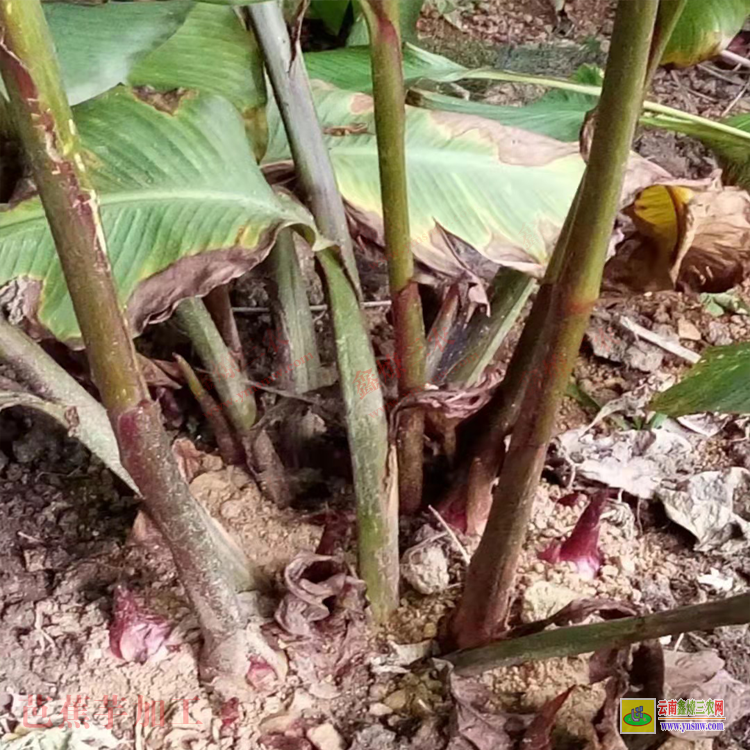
(666, 331)
(380, 709)
(325, 737)
(644, 357)
(378, 691)
(425, 568)
(210, 462)
(277, 724)
(609, 571)
(301, 701)
(34, 559)
(686, 330)
(375, 737)
(543, 599)
(625, 564)
(231, 509)
(397, 700)
(717, 335)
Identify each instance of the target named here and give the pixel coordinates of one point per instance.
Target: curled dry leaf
(310, 580)
(134, 633)
(704, 505)
(688, 238)
(582, 546)
(324, 609)
(635, 673)
(637, 461)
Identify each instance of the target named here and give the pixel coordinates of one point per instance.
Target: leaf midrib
(113, 199)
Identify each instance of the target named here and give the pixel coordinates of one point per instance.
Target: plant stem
(408, 323)
(485, 603)
(230, 381)
(583, 639)
(229, 448)
(375, 480)
(291, 86)
(488, 429)
(374, 483)
(219, 305)
(32, 78)
(292, 315)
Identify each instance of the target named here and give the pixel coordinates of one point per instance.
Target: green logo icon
(637, 718)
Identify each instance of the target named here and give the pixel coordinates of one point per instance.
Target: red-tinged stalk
(484, 607)
(390, 128)
(374, 481)
(219, 305)
(32, 79)
(467, 497)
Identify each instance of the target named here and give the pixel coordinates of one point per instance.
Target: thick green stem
(377, 513)
(583, 639)
(390, 127)
(230, 381)
(32, 78)
(293, 317)
(484, 606)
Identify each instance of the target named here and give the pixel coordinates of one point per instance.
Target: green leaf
(349, 67)
(558, 114)
(704, 30)
(331, 12)
(502, 192)
(98, 45)
(183, 202)
(720, 382)
(212, 53)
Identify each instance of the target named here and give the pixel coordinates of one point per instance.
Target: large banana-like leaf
(183, 202)
(704, 30)
(349, 68)
(211, 52)
(98, 45)
(480, 194)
